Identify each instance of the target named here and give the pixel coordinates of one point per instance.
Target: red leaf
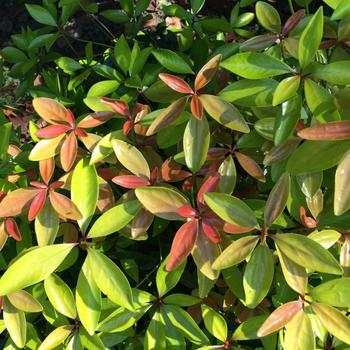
(47, 167)
(56, 184)
(52, 131)
(2, 195)
(70, 118)
(187, 211)
(292, 22)
(118, 106)
(182, 245)
(196, 107)
(210, 231)
(216, 153)
(209, 185)
(127, 126)
(69, 151)
(12, 229)
(130, 181)
(154, 175)
(176, 83)
(38, 184)
(81, 133)
(37, 204)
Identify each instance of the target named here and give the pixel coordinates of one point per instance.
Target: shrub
(184, 184)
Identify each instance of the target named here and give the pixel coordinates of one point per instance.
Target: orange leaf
(95, 119)
(64, 206)
(176, 83)
(46, 168)
(196, 107)
(16, 202)
(339, 130)
(50, 110)
(182, 245)
(229, 228)
(207, 72)
(171, 171)
(105, 198)
(279, 318)
(69, 151)
(250, 166)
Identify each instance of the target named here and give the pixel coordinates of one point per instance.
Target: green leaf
(103, 88)
(236, 252)
(294, 274)
(299, 333)
(68, 65)
(306, 252)
(248, 92)
(114, 219)
(13, 55)
(85, 177)
(185, 324)
(122, 319)
(122, 53)
(155, 337)
(231, 209)
(162, 201)
(5, 133)
(313, 156)
(91, 342)
(287, 119)
(116, 16)
(196, 143)
(268, 16)
(41, 14)
(277, 200)
(110, 279)
(46, 225)
(310, 39)
(15, 322)
(286, 89)
(247, 330)
(88, 299)
(252, 65)
(335, 292)
(197, 5)
(167, 280)
(334, 72)
(214, 323)
(131, 158)
(224, 113)
(60, 296)
(342, 190)
(334, 321)
(342, 11)
(181, 299)
(327, 238)
(258, 276)
(228, 175)
(171, 61)
(43, 261)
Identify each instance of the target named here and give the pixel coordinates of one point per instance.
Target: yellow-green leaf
(161, 201)
(56, 337)
(46, 148)
(46, 225)
(131, 158)
(33, 267)
(342, 186)
(24, 301)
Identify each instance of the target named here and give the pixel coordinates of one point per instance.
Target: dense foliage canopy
(182, 182)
